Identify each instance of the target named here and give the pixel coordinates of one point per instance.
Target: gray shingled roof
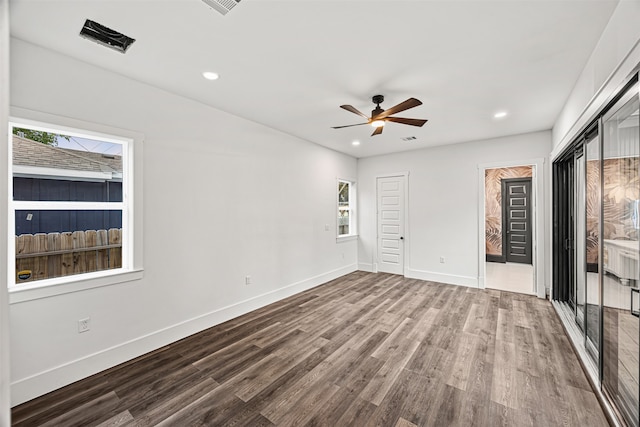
(31, 153)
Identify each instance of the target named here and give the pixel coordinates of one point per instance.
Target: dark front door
(516, 220)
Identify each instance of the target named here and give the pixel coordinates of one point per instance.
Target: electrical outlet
(247, 280)
(442, 259)
(84, 325)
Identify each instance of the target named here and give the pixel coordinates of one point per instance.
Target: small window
(346, 204)
(69, 204)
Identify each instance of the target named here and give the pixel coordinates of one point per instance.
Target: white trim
(366, 266)
(63, 206)
(68, 284)
(30, 119)
(407, 235)
(450, 279)
(25, 389)
(132, 238)
(537, 200)
(5, 368)
(391, 175)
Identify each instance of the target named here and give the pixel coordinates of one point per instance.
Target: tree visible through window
(67, 204)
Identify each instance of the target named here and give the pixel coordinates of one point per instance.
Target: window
(346, 204)
(70, 205)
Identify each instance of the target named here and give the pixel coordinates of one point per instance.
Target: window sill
(346, 238)
(65, 285)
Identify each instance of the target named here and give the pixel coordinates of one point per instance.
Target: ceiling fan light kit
(380, 116)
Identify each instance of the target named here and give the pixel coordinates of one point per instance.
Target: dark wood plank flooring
(364, 349)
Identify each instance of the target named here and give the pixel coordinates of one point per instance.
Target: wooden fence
(42, 256)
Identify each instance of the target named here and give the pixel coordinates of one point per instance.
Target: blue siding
(60, 221)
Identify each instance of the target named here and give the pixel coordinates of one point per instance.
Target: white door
(390, 201)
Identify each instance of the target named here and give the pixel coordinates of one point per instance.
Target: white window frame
(353, 231)
(130, 206)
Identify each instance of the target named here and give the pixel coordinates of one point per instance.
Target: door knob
(401, 238)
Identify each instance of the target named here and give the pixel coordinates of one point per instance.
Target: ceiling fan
(380, 116)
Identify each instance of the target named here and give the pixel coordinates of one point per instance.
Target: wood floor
(365, 349)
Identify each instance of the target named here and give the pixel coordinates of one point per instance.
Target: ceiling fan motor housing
(377, 99)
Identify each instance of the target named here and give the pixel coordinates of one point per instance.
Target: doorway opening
(509, 228)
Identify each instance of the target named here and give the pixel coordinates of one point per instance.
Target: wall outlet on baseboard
(247, 280)
(442, 259)
(84, 325)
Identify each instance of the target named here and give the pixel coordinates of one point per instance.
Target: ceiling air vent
(222, 6)
(409, 138)
(105, 36)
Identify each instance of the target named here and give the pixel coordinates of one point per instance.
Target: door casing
(537, 214)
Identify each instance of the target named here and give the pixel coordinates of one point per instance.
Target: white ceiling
(290, 64)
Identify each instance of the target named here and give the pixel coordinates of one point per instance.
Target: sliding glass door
(620, 255)
(596, 248)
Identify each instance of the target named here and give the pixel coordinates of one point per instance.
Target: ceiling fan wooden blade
(378, 131)
(405, 105)
(348, 126)
(411, 122)
(353, 110)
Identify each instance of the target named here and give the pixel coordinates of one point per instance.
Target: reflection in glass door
(580, 239)
(592, 243)
(620, 255)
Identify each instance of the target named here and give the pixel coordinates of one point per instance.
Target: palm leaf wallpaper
(493, 203)
(621, 189)
(592, 206)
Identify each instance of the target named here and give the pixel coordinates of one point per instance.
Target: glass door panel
(592, 244)
(621, 254)
(580, 240)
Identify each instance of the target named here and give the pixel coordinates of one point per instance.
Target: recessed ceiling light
(500, 114)
(355, 143)
(210, 75)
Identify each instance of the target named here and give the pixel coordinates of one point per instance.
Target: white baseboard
(44, 382)
(365, 266)
(471, 282)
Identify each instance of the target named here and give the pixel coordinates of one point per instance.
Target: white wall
(4, 298)
(443, 203)
(223, 198)
(614, 57)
